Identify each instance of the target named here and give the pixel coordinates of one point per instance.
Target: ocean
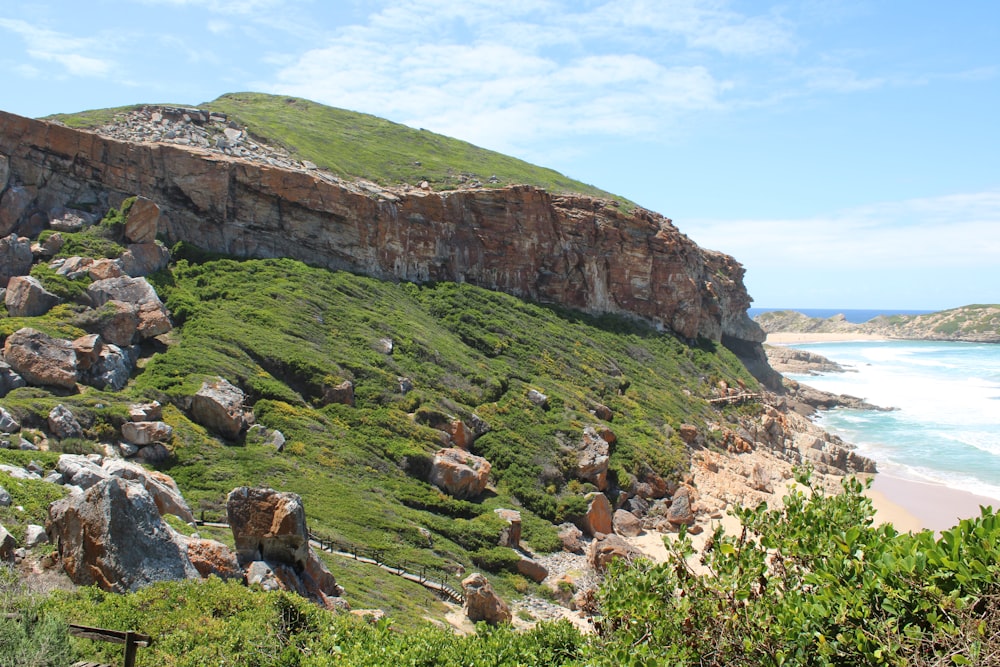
(947, 426)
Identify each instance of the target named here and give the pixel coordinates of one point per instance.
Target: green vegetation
(812, 584)
(356, 145)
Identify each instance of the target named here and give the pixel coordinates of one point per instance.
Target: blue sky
(847, 152)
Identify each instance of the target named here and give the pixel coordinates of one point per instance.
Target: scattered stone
(538, 398)
(154, 454)
(459, 473)
(482, 603)
(26, 297)
(688, 433)
(17, 472)
(145, 412)
(258, 434)
(220, 407)
(69, 220)
(5, 499)
(532, 569)
(34, 535)
(117, 322)
(51, 245)
(63, 424)
(41, 359)
(81, 471)
(146, 433)
(602, 411)
(88, 350)
(142, 259)
(343, 393)
(102, 269)
(571, 538)
(680, 511)
(627, 524)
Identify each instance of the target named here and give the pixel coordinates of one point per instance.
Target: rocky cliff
(580, 252)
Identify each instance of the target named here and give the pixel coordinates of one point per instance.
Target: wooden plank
(113, 636)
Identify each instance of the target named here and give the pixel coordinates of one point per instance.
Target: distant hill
(357, 145)
(974, 323)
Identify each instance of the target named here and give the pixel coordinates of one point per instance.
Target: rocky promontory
(977, 323)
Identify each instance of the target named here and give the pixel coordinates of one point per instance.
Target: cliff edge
(581, 252)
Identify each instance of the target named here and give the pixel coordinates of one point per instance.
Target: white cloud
(957, 232)
(75, 54)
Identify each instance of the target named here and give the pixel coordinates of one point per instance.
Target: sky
(846, 152)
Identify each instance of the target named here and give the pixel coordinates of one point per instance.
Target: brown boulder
(459, 473)
(592, 465)
(482, 603)
(602, 551)
(343, 394)
(680, 511)
(532, 569)
(116, 322)
(571, 537)
(598, 516)
(688, 433)
(211, 557)
(88, 350)
(220, 407)
(142, 221)
(626, 523)
(113, 536)
(25, 297)
(102, 269)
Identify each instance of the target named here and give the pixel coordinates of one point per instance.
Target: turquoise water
(947, 426)
(854, 315)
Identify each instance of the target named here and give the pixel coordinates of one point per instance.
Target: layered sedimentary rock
(581, 252)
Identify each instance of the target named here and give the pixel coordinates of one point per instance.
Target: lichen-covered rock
(41, 359)
(221, 407)
(459, 473)
(268, 525)
(26, 297)
(146, 433)
(15, 258)
(63, 424)
(210, 557)
(82, 471)
(161, 487)
(112, 536)
(482, 603)
(142, 259)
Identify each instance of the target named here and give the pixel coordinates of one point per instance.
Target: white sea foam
(947, 426)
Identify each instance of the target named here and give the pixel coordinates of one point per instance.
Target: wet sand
(912, 505)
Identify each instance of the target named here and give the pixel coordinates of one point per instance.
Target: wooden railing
(131, 640)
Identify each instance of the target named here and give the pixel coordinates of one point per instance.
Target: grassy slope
(284, 332)
(357, 145)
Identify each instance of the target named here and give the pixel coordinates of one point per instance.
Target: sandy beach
(912, 505)
(792, 338)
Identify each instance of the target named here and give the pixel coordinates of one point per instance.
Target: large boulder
(26, 297)
(153, 318)
(681, 511)
(41, 359)
(268, 525)
(146, 433)
(112, 369)
(626, 523)
(459, 473)
(482, 603)
(8, 423)
(15, 257)
(117, 322)
(210, 557)
(7, 545)
(112, 536)
(220, 406)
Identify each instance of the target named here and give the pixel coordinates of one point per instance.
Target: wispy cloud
(74, 54)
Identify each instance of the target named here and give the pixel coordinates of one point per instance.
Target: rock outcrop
(221, 407)
(584, 253)
(482, 603)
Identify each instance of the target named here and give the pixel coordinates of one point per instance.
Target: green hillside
(356, 145)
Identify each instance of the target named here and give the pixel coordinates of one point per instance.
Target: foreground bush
(813, 584)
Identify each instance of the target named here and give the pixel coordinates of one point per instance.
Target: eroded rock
(459, 473)
(482, 603)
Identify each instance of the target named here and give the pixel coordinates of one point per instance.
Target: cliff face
(576, 251)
